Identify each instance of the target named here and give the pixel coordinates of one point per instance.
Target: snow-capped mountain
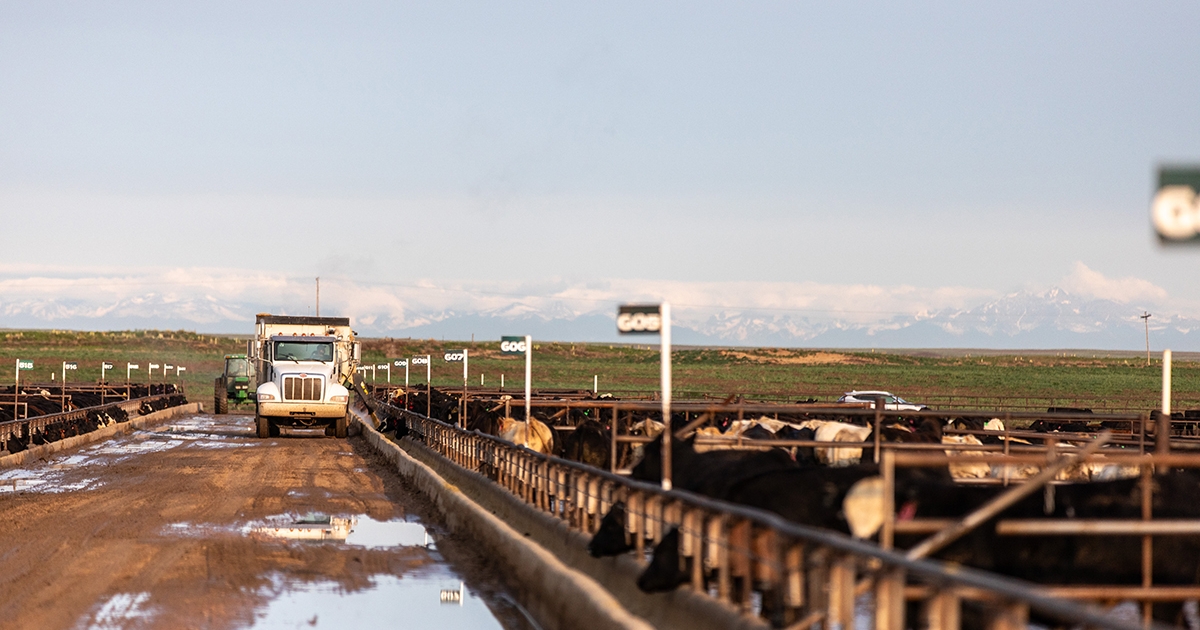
(1025, 319)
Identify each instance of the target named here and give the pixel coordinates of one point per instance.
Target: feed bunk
(766, 567)
(17, 435)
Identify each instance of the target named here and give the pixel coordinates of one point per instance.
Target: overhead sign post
(404, 364)
(649, 319)
(66, 365)
(424, 360)
(128, 386)
(22, 364)
(521, 345)
(150, 370)
(1175, 210)
(388, 367)
(454, 356)
(105, 366)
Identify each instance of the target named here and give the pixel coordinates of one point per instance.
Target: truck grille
(297, 388)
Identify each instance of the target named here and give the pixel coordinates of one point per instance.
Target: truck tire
(220, 401)
(263, 426)
(342, 423)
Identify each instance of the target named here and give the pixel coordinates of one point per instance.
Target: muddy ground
(175, 528)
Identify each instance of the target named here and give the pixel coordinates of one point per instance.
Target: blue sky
(963, 148)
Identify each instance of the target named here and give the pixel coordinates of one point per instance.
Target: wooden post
(887, 531)
(889, 600)
(942, 611)
(841, 593)
(1009, 616)
(878, 421)
(612, 456)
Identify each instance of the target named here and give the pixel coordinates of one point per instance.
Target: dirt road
(178, 527)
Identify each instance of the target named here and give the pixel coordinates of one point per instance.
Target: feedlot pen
(788, 575)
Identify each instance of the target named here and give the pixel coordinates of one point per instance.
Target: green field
(788, 374)
(758, 373)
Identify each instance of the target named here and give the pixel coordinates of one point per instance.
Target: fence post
(841, 593)
(941, 611)
(889, 600)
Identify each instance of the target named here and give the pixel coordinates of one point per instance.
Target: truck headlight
(266, 397)
(340, 398)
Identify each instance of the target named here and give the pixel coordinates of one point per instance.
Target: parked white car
(890, 400)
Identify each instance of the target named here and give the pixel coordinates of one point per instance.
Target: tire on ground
(220, 400)
(263, 425)
(340, 428)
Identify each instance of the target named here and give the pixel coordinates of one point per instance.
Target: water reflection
(412, 601)
(310, 527)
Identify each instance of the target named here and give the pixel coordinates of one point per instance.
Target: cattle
(589, 443)
(736, 432)
(645, 428)
(804, 455)
(712, 474)
(808, 496)
(827, 431)
(541, 438)
(1067, 559)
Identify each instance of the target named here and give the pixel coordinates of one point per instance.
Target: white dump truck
(303, 364)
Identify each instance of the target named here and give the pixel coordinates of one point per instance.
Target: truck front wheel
(263, 426)
(342, 423)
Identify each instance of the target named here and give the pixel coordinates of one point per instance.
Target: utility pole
(318, 296)
(1146, 318)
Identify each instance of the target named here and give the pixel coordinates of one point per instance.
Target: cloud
(207, 296)
(1087, 282)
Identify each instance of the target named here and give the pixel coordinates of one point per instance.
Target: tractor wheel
(339, 429)
(220, 402)
(263, 425)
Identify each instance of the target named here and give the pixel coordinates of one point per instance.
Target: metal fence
(788, 574)
(934, 398)
(17, 435)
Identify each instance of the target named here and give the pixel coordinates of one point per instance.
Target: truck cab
(303, 365)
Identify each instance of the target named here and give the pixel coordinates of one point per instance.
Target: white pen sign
(1175, 211)
(633, 319)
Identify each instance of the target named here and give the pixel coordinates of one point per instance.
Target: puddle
(119, 611)
(46, 480)
(355, 531)
(309, 527)
(374, 534)
(433, 599)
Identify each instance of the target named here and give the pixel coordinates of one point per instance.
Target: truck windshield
(303, 351)
(237, 367)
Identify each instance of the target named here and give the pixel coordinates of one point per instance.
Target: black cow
(804, 455)
(1069, 559)
(589, 443)
(809, 496)
(712, 474)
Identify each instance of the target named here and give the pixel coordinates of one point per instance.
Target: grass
(785, 374)
(779, 374)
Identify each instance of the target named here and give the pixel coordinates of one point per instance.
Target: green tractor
(236, 383)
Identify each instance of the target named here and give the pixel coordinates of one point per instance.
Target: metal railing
(937, 399)
(788, 574)
(17, 435)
